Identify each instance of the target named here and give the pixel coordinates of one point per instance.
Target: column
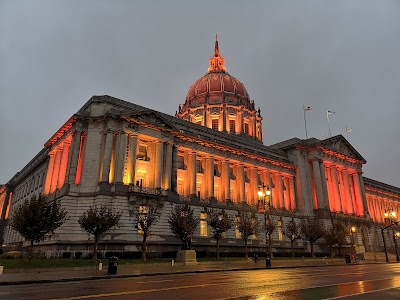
(109, 137)
(210, 177)
(120, 156)
(357, 190)
(241, 183)
(363, 196)
(292, 194)
(174, 176)
(224, 118)
(254, 186)
(226, 179)
(5, 204)
(349, 200)
(269, 184)
(73, 157)
(336, 190)
(49, 174)
(324, 185)
(56, 169)
(63, 165)
(158, 164)
(205, 116)
(280, 191)
(286, 193)
(168, 167)
(318, 184)
(193, 172)
(131, 167)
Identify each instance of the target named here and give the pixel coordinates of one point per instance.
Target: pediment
(153, 118)
(341, 145)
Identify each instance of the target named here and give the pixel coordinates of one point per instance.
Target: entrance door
(365, 239)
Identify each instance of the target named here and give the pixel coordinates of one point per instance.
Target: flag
(329, 113)
(307, 108)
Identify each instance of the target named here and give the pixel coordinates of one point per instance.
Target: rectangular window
(142, 154)
(203, 224)
(246, 128)
(180, 162)
(280, 230)
(199, 166)
(232, 127)
(214, 124)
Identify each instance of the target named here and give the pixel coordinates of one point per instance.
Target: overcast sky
(342, 56)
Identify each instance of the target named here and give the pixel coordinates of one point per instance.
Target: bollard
(100, 266)
(172, 263)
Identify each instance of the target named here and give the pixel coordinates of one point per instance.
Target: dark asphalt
(379, 281)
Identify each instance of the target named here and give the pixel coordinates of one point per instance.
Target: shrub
(66, 254)
(117, 254)
(78, 254)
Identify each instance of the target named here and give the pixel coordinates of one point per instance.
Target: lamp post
(264, 199)
(352, 231)
(389, 217)
(395, 236)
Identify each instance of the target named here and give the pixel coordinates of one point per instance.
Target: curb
(71, 279)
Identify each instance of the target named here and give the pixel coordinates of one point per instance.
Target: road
(350, 282)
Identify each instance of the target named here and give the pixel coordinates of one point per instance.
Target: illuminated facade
(210, 155)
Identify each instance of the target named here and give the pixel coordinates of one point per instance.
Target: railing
(147, 190)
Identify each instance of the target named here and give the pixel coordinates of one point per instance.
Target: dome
(220, 101)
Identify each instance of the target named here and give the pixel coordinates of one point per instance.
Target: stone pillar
(49, 174)
(363, 196)
(224, 118)
(105, 173)
(359, 200)
(241, 185)
(193, 173)
(269, 184)
(159, 164)
(280, 191)
(210, 177)
(120, 157)
(293, 205)
(56, 169)
(318, 184)
(254, 189)
(5, 204)
(349, 200)
(73, 157)
(226, 179)
(63, 164)
(336, 190)
(205, 116)
(174, 177)
(168, 167)
(324, 185)
(286, 193)
(131, 167)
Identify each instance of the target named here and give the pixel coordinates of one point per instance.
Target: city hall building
(210, 155)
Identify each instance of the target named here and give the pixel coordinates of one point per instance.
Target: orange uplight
(80, 159)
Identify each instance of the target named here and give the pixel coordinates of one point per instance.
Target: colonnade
(379, 204)
(65, 163)
(338, 189)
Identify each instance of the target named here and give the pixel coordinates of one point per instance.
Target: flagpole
(329, 124)
(305, 121)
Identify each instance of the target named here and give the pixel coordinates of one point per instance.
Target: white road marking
(154, 281)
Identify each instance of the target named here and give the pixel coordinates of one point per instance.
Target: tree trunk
(144, 247)
(330, 250)
(271, 255)
(312, 249)
(245, 246)
(30, 252)
(96, 244)
(292, 243)
(340, 247)
(217, 249)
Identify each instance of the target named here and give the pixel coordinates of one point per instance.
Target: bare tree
(292, 232)
(97, 221)
(220, 222)
(36, 218)
(183, 225)
(270, 228)
(312, 230)
(247, 225)
(144, 217)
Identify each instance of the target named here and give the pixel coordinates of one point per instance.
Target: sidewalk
(30, 276)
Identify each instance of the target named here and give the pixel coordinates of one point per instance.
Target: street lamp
(352, 231)
(390, 219)
(396, 235)
(264, 198)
